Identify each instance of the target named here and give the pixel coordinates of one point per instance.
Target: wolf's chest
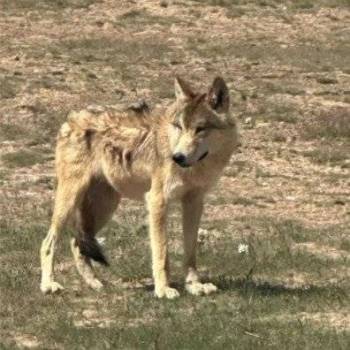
(174, 187)
(178, 184)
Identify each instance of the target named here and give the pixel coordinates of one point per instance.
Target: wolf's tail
(90, 248)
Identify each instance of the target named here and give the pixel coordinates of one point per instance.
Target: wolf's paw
(197, 288)
(95, 284)
(50, 287)
(167, 292)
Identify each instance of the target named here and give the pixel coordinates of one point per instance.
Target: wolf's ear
(218, 96)
(182, 90)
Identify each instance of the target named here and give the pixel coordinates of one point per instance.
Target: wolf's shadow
(264, 288)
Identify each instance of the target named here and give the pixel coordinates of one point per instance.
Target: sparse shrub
(332, 154)
(279, 137)
(280, 112)
(331, 124)
(8, 87)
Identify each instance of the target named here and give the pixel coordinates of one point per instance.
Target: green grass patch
(46, 4)
(127, 61)
(329, 154)
(3, 175)
(43, 129)
(140, 18)
(281, 87)
(248, 311)
(270, 248)
(47, 123)
(9, 86)
(332, 124)
(281, 113)
(294, 4)
(233, 199)
(306, 56)
(11, 131)
(22, 158)
(110, 51)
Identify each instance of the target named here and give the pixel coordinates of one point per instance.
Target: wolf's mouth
(203, 156)
(184, 164)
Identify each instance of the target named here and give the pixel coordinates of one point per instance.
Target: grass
(254, 306)
(306, 57)
(280, 113)
(233, 199)
(9, 86)
(43, 128)
(140, 18)
(3, 176)
(127, 62)
(113, 52)
(296, 4)
(332, 124)
(47, 123)
(282, 87)
(11, 131)
(329, 154)
(45, 4)
(22, 158)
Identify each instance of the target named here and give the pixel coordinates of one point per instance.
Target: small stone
(327, 80)
(248, 120)
(95, 109)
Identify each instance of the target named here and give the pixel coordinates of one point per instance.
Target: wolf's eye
(200, 129)
(177, 126)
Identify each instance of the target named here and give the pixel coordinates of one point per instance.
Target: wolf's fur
(101, 158)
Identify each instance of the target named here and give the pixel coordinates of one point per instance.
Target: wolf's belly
(133, 188)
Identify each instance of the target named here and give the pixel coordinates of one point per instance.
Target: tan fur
(101, 158)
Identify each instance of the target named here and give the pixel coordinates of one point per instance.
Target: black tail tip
(90, 248)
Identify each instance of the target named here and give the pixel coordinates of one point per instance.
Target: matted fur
(177, 153)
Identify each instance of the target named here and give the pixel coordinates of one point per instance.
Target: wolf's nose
(179, 158)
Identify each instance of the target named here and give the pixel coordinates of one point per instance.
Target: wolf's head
(201, 124)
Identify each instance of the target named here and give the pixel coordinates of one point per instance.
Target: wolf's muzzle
(180, 159)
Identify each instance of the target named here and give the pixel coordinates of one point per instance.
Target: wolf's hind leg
(97, 207)
(66, 200)
(84, 267)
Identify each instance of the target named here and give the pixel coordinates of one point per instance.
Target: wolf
(175, 154)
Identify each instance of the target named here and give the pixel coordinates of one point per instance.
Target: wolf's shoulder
(100, 119)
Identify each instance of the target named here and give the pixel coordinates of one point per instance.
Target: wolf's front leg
(192, 206)
(157, 208)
